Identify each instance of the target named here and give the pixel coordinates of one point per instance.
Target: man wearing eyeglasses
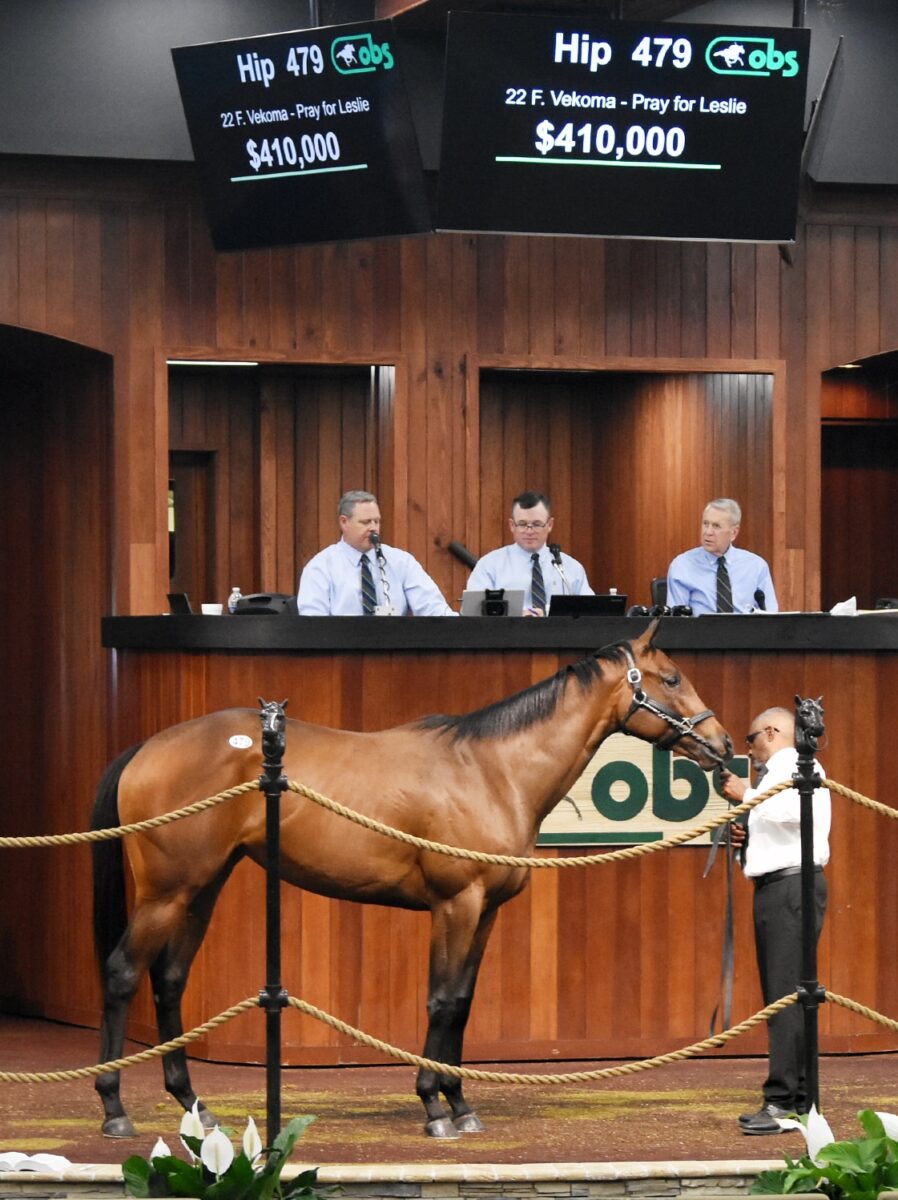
(528, 564)
(771, 849)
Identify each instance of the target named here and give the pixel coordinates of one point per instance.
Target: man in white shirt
(361, 576)
(772, 860)
(529, 564)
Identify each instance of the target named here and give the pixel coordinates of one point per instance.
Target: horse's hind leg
(120, 980)
(168, 974)
(459, 937)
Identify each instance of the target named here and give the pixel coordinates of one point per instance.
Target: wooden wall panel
(117, 258)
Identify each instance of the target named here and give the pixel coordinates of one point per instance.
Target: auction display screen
(303, 137)
(574, 126)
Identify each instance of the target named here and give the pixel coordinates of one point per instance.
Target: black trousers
(777, 915)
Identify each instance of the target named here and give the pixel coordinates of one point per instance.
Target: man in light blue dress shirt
(511, 567)
(693, 576)
(331, 583)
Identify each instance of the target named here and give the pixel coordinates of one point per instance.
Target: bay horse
(483, 781)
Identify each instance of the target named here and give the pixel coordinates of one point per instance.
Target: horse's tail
(110, 908)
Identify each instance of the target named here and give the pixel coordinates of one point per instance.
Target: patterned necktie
(537, 587)
(724, 590)
(369, 595)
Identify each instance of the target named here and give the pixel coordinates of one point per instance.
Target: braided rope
(515, 860)
(645, 1064)
(406, 1056)
(117, 831)
(859, 798)
(142, 1056)
(863, 1011)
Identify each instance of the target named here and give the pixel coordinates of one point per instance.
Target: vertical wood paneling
(121, 260)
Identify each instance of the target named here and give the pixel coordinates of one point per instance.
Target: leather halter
(680, 727)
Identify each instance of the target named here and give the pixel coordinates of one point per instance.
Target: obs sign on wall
(633, 792)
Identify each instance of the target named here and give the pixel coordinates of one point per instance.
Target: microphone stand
(555, 551)
(382, 566)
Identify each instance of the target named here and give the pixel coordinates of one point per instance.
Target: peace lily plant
(216, 1172)
(860, 1169)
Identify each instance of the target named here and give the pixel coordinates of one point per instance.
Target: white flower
(217, 1153)
(160, 1150)
(815, 1130)
(252, 1143)
(192, 1126)
(889, 1124)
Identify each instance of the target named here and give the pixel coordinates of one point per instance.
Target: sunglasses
(750, 737)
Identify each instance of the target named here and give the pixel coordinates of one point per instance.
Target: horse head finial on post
(274, 739)
(809, 726)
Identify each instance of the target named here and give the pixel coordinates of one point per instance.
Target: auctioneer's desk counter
(619, 959)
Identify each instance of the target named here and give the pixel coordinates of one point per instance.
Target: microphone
(555, 551)
(760, 600)
(374, 538)
(463, 554)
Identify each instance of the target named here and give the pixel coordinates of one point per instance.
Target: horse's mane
(526, 708)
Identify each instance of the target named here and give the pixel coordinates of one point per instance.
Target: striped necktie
(724, 590)
(537, 587)
(369, 595)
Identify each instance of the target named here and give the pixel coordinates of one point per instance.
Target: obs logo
(358, 54)
(633, 792)
(750, 56)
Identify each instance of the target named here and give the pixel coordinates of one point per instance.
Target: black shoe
(764, 1120)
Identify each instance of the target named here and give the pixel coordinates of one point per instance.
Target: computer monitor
(612, 604)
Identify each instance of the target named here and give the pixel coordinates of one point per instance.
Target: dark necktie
(537, 587)
(724, 590)
(369, 595)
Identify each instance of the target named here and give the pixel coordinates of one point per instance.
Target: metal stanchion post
(273, 998)
(810, 993)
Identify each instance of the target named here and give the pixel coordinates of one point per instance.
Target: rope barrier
(375, 826)
(515, 860)
(396, 1052)
(358, 1035)
(116, 831)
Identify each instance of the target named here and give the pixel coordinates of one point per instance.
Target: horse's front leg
(459, 936)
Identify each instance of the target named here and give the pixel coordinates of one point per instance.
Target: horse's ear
(647, 636)
(797, 698)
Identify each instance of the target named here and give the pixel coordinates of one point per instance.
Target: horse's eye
(671, 681)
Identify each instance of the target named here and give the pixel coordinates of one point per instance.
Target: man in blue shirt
(514, 567)
(716, 576)
(361, 576)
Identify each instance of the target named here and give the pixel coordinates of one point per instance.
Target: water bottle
(233, 598)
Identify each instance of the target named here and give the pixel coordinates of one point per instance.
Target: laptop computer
(178, 604)
(494, 602)
(611, 604)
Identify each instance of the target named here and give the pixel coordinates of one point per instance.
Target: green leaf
(136, 1172)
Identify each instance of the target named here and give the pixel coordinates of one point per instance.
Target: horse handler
(770, 849)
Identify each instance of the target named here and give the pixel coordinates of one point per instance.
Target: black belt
(772, 876)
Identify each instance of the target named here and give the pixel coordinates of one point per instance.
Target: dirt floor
(371, 1114)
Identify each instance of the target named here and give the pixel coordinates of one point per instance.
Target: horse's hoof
(468, 1123)
(207, 1119)
(442, 1127)
(118, 1127)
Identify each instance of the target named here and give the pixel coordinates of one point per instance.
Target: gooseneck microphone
(760, 600)
(375, 543)
(555, 551)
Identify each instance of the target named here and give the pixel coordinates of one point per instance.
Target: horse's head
(659, 704)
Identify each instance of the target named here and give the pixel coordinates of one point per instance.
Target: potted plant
(215, 1172)
(863, 1168)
